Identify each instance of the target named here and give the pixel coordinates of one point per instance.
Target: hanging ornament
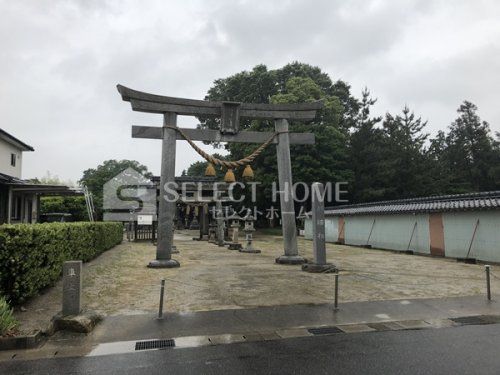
(229, 177)
(210, 170)
(248, 172)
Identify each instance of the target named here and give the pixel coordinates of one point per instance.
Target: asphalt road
(462, 350)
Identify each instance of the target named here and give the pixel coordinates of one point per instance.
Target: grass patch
(8, 323)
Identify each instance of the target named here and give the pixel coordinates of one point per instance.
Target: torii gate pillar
(166, 206)
(288, 225)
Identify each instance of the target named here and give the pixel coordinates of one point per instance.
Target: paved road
(461, 350)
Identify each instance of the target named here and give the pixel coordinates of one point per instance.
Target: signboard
(145, 219)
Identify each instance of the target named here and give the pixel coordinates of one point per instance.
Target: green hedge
(31, 255)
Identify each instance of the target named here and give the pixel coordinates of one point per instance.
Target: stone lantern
(234, 224)
(194, 222)
(219, 217)
(249, 229)
(212, 227)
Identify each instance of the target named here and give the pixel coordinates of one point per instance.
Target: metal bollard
(162, 292)
(488, 286)
(336, 301)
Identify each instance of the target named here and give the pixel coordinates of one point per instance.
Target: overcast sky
(61, 60)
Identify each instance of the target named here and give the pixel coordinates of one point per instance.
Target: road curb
(22, 342)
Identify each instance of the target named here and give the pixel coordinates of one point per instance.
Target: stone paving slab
(386, 326)
(226, 338)
(440, 323)
(352, 328)
(414, 324)
(293, 332)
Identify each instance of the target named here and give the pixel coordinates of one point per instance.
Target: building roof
(14, 141)
(10, 180)
(488, 200)
(19, 185)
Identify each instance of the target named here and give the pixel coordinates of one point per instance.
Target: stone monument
(72, 288)
(319, 263)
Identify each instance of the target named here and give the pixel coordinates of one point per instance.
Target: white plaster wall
(332, 228)
(394, 232)
(389, 232)
(357, 229)
(6, 149)
(458, 230)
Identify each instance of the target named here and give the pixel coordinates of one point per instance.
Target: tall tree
(437, 168)
(294, 83)
(368, 158)
(470, 152)
(406, 155)
(381, 160)
(95, 178)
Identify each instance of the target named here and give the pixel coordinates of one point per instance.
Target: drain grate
(470, 320)
(154, 344)
(324, 330)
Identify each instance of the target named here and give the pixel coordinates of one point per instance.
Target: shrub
(71, 205)
(31, 255)
(7, 321)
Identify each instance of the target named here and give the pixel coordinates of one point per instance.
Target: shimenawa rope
(227, 164)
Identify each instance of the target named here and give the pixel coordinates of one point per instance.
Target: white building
(20, 199)
(11, 154)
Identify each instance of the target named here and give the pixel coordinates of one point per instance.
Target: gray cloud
(60, 62)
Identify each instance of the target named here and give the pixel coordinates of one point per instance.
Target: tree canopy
(380, 158)
(95, 178)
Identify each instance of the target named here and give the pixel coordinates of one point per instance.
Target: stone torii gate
(230, 114)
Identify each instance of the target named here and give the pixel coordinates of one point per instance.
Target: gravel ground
(213, 278)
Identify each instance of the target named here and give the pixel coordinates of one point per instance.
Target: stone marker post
(72, 288)
(319, 263)
(318, 219)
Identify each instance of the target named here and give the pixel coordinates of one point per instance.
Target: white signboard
(145, 219)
